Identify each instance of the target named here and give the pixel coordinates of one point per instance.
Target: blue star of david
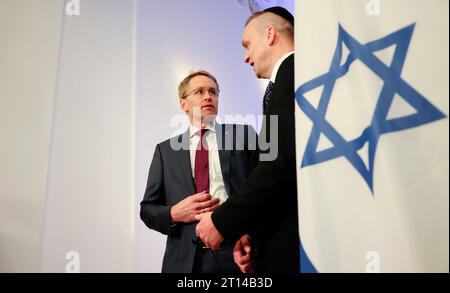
(393, 84)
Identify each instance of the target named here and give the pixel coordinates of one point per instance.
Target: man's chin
(208, 112)
(209, 116)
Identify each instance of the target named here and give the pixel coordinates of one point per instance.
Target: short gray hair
(183, 86)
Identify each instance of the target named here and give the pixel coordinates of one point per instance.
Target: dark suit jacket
(266, 205)
(170, 180)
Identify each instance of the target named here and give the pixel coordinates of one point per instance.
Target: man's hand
(241, 254)
(207, 231)
(185, 210)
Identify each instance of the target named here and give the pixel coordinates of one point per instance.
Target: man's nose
(206, 96)
(246, 58)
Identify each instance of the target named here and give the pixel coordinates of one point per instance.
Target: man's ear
(270, 35)
(184, 106)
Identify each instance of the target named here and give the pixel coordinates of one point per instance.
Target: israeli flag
(372, 103)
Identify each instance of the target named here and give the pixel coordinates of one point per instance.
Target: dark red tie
(201, 170)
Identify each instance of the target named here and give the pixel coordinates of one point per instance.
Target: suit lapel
(183, 156)
(283, 74)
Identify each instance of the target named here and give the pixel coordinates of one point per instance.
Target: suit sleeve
(269, 191)
(154, 211)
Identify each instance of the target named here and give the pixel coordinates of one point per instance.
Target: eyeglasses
(200, 92)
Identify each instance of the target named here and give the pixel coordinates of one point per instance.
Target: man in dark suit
(194, 173)
(266, 204)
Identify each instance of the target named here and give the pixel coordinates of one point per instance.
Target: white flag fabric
(372, 98)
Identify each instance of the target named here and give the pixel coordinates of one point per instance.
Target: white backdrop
(29, 44)
(67, 110)
(90, 185)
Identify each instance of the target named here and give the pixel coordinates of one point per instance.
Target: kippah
(283, 12)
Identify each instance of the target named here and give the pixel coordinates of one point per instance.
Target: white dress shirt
(216, 184)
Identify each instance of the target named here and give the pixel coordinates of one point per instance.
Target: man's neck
(202, 124)
(277, 64)
(282, 49)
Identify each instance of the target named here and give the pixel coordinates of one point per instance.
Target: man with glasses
(267, 202)
(194, 173)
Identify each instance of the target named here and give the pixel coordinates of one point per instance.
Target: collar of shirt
(278, 64)
(194, 130)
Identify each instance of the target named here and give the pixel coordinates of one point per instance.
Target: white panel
(29, 45)
(90, 184)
